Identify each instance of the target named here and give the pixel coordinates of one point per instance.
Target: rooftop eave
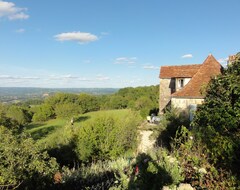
(188, 97)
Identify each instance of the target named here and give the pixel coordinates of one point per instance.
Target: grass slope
(58, 132)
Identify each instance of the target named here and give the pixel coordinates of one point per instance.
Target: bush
(43, 112)
(217, 121)
(194, 159)
(22, 163)
(170, 123)
(107, 137)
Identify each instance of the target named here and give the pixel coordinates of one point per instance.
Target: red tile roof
(185, 71)
(210, 68)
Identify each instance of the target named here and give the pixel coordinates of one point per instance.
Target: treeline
(29, 164)
(65, 105)
(144, 99)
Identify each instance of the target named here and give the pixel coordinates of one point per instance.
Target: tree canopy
(218, 119)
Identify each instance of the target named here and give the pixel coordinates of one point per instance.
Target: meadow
(56, 132)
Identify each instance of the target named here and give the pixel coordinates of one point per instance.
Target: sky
(110, 43)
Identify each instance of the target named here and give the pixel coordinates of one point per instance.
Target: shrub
(22, 163)
(217, 121)
(43, 112)
(194, 159)
(170, 123)
(107, 137)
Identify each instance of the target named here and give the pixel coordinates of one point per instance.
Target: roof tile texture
(210, 68)
(201, 74)
(185, 71)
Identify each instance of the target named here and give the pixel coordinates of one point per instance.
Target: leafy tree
(133, 98)
(117, 102)
(3, 118)
(144, 104)
(18, 114)
(43, 112)
(107, 138)
(217, 121)
(88, 103)
(22, 163)
(61, 98)
(67, 110)
(66, 105)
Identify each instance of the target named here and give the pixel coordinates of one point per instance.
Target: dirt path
(145, 142)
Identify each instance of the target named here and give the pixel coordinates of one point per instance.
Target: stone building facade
(183, 86)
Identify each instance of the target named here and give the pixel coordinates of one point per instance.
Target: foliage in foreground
(21, 162)
(107, 137)
(193, 155)
(197, 167)
(217, 121)
(146, 171)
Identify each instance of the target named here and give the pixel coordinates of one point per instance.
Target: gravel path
(145, 143)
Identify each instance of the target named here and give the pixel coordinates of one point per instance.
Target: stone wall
(167, 87)
(184, 103)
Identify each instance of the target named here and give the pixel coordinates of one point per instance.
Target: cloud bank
(150, 67)
(223, 60)
(125, 60)
(187, 56)
(81, 37)
(10, 11)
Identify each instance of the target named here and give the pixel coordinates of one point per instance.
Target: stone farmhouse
(183, 86)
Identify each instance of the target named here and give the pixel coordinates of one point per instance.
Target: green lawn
(59, 131)
(42, 130)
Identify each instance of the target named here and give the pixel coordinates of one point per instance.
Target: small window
(180, 83)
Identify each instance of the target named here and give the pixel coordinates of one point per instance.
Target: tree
(144, 104)
(67, 110)
(88, 103)
(66, 105)
(18, 114)
(43, 112)
(22, 163)
(217, 121)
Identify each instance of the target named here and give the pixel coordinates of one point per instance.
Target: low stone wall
(184, 103)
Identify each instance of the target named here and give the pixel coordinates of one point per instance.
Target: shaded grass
(42, 130)
(85, 119)
(59, 132)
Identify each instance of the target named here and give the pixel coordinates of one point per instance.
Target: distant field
(59, 131)
(17, 94)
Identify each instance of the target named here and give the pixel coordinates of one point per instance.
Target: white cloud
(102, 78)
(21, 30)
(10, 11)
(8, 77)
(187, 56)
(150, 67)
(62, 77)
(81, 37)
(223, 60)
(72, 79)
(125, 60)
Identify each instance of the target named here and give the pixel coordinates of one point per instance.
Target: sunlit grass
(42, 130)
(57, 132)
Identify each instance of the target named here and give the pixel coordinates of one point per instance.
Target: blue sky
(110, 43)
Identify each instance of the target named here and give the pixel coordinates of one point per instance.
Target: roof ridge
(209, 68)
(182, 65)
(179, 71)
